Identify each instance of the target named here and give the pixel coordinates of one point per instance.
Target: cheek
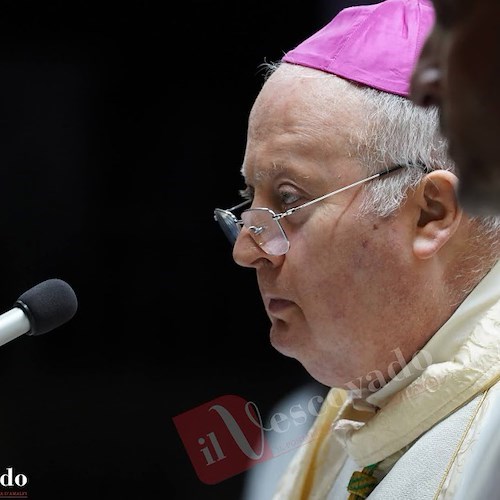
(343, 269)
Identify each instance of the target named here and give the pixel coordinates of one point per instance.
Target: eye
(285, 196)
(289, 196)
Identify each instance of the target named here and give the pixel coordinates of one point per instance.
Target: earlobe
(439, 213)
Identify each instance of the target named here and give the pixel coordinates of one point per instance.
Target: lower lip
(277, 305)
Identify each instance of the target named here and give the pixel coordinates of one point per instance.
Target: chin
(283, 340)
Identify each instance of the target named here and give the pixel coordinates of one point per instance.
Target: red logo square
(223, 437)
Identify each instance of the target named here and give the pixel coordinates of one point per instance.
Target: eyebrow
(273, 171)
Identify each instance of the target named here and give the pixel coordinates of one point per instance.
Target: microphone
(39, 310)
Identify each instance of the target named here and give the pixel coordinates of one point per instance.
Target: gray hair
(398, 132)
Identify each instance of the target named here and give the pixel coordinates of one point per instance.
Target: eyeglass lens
(228, 224)
(266, 231)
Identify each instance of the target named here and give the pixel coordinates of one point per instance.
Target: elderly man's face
(459, 70)
(340, 299)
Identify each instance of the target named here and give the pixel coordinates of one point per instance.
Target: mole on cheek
(375, 227)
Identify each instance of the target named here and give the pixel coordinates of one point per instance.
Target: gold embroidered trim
(459, 445)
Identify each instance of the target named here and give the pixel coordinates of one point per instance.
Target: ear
(439, 213)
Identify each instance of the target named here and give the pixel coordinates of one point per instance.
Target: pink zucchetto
(375, 45)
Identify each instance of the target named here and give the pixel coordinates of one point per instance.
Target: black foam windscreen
(48, 305)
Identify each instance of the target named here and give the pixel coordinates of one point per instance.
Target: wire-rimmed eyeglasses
(263, 223)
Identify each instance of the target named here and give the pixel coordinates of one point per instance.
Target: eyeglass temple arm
(246, 202)
(374, 176)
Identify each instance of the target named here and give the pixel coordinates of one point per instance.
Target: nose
(247, 253)
(426, 79)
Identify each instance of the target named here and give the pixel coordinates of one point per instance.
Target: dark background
(122, 127)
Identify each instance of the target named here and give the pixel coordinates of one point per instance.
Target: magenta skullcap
(375, 45)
